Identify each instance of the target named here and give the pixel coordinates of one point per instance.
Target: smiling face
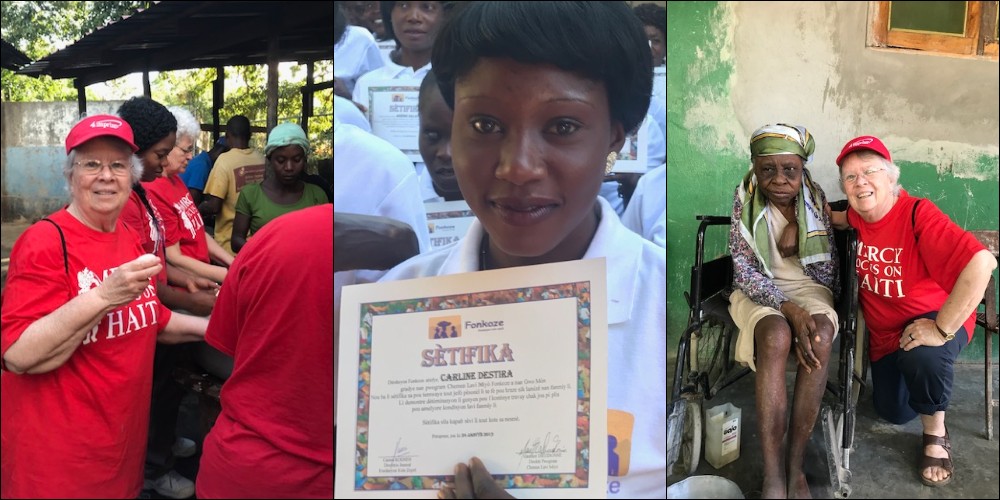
(435, 144)
(870, 192)
(101, 195)
(529, 143)
(416, 24)
(154, 159)
(180, 155)
(780, 177)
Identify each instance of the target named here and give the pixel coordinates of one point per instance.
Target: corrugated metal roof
(183, 35)
(11, 58)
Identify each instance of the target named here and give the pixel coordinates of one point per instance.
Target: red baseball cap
(97, 126)
(868, 142)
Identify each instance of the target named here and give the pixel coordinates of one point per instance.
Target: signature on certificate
(399, 451)
(542, 447)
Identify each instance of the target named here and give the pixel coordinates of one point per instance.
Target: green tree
(40, 28)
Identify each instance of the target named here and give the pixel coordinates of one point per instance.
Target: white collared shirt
(646, 213)
(355, 55)
(637, 340)
(391, 71)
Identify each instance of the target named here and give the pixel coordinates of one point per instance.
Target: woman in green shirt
(283, 189)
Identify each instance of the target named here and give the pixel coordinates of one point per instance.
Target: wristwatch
(947, 336)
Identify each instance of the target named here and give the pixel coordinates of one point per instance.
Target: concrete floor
(884, 460)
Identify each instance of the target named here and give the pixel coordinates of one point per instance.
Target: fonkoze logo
(444, 327)
(861, 142)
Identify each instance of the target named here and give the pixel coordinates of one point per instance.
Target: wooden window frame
(980, 18)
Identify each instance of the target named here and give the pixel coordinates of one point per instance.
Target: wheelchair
(705, 358)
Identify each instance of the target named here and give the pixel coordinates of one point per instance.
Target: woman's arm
(968, 291)
(183, 328)
(175, 257)
(49, 342)
(241, 227)
(217, 253)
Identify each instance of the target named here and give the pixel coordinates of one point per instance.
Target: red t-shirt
(900, 279)
(136, 216)
(181, 220)
(78, 430)
(274, 315)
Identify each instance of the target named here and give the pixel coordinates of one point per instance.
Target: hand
(202, 302)
(921, 332)
(197, 283)
(130, 279)
(473, 481)
(804, 333)
(788, 242)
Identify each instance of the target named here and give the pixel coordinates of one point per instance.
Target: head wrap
(286, 134)
(782, 139)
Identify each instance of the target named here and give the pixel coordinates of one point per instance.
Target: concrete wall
(32, 142)
(734, 66)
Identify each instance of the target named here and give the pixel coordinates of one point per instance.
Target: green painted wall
(711, 109)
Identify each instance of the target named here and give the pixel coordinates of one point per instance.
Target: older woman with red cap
(921, 277)
(80, 318)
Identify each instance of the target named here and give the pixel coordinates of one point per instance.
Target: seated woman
(283, 189)
(921, 278)
(536, 126)
(785, 276)
(187, 245)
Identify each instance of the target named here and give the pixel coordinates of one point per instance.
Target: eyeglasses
(852, 178)
(189, 150)
(94, 167)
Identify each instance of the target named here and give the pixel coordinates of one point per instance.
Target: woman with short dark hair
(540, 109)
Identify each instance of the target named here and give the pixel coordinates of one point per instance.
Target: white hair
(891, 169)
(187, 124)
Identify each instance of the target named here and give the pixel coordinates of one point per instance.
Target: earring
(612, 158)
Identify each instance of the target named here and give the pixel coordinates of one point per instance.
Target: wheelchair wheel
(686, 437)
(710, 353)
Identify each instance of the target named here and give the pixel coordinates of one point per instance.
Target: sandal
(944, 463)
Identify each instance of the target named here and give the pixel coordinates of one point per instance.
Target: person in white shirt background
(354, 54)
(372, 177)
(534, 125)
(414, 26)
(647, 211)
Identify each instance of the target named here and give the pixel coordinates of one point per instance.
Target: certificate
(508, 365)
(632, 157)
(393, 113)
(447, 221)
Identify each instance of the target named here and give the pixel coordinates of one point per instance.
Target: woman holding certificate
(539, 113)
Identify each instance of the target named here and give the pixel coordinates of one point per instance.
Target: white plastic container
(704, 487)
(722, 435)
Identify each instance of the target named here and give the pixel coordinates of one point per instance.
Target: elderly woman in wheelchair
(786, 278)
(920, 277)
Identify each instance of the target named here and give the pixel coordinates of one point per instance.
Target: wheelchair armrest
(712, 220)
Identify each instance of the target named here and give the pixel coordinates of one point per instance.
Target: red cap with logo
(97, 126)
(868, 142)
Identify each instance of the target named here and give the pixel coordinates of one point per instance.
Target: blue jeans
(920, 380)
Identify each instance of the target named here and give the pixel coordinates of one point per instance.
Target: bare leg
(934, 425)
(809, 389)
(772, 336)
